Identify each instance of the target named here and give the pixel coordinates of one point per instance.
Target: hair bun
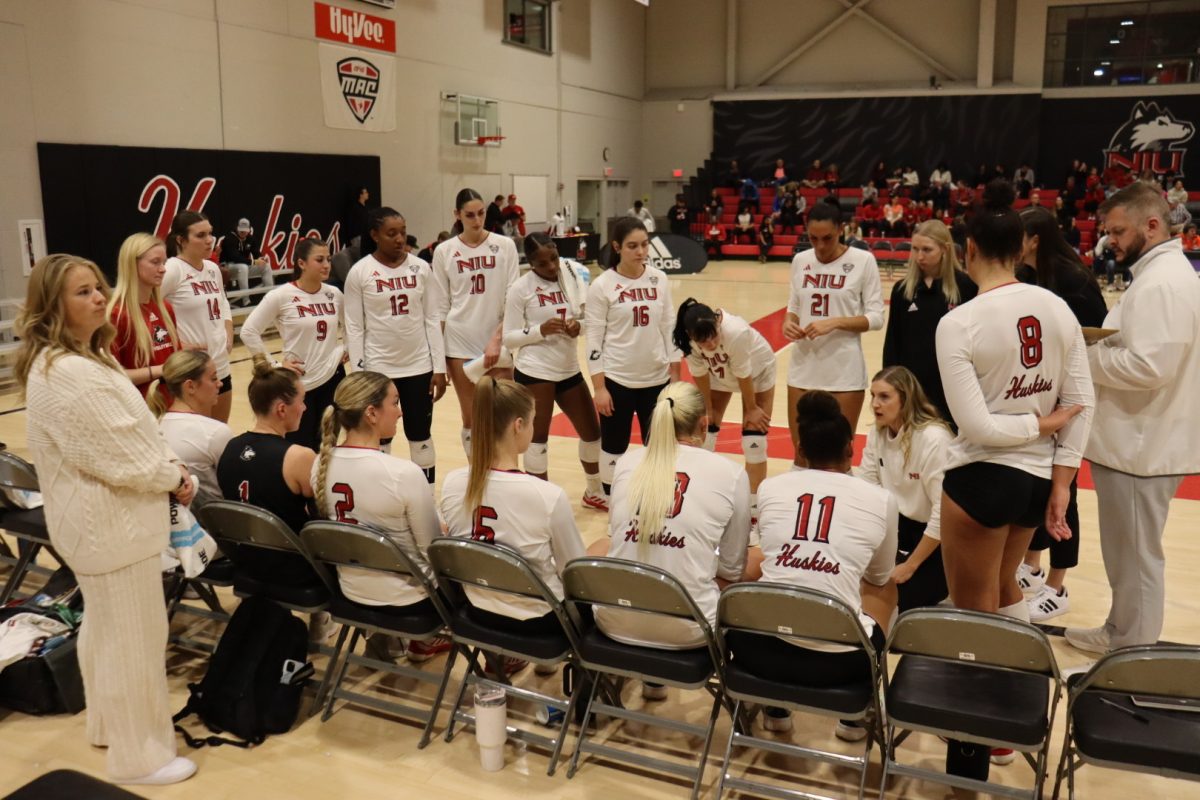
(999, 195)
(818, 405)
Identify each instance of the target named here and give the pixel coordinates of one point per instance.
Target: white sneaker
(850, 732)
(777, 724)
(1047, 604)
(1090, 640)
(1030, 580)
(176, 770)
(654, 691)
(1002, 756)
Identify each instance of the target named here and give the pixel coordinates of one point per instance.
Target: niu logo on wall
(359, 81)
(1152, 139)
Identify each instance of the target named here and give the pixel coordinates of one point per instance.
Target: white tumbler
(491, 726)
(474, 370)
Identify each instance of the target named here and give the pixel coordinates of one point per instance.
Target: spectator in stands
(1191, 239)
(831, 198)
(924, 210)
(744, 226)
(354, 219)
(1093, 179)
(679, 216)
(714, 209)
(426, 254)
(1061, 212)
(965, 197)
(791, 211)
(879, 175)
(893, 218)
(1178, 216)
(894, 180)
(870, 191)
(982, 175)
(1106, 260)
(852, 232)
(639, 211)
(1023, 179)
(514, 218)
(714, 237)
(780, 174)
(910, 181)
(493, 221)
(1070, 233)
(871, 216)
(1072, 194)
(1177, 194)
(1000, 172)
(240, 256)
(766, 238)
(733, 178)
(940, 181)
(1035, 198)
(1081, 173)
(749, 191)
(833, 178)
(815, 177)
(411, 244)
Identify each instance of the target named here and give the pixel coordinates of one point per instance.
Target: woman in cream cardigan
(105, 474)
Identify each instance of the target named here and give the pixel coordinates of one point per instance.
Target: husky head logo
(248, 453)
(161, 336)
(1152, 138)
(359, 80)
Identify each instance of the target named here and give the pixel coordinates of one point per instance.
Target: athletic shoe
(1003, 756)
(1090, 640)
(384, 647)
(850, 731)
(1048, 604)
(510, 665)
(321, 627)
(654, 691)
(176, 770)
(1030, 580)
(423, 651)
(778, 720)
(596, 501)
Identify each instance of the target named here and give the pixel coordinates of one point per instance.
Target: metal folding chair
(458, 562)
(637, 587)
(973, 677)
(28, 526)
(360, 546)
(1105, 727)
(771, 609)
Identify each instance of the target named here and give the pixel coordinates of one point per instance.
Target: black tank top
(251, 471)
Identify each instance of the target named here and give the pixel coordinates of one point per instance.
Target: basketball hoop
(489, 141)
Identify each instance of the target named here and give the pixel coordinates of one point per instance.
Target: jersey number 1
(824, 518)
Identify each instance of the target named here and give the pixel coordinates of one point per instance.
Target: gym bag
(254, 679)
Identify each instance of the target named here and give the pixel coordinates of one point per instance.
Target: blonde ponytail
(179, 368)
(354, 395)
(652, 485)
(496, 404)
(329, 436)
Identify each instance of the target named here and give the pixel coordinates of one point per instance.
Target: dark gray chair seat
(689, 667)
(849, 699)
(1171, 740)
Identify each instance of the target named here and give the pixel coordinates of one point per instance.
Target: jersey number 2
(824, 518)
(1029, 331)
(343, 507)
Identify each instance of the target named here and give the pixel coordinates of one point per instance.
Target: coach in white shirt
(1146, 436)
(639, 211)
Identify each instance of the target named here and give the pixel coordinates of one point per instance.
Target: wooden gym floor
(360, 753)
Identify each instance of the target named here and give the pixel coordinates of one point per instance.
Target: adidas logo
(754, 446)
(660, 256)
(424, 447)
(913, 307)
(375, 274)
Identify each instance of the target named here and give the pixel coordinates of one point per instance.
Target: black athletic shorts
(995, 495)
(564, 385)
(226, 384)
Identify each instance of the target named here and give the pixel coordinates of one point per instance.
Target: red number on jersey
(719, 371)
(244, 491)
(399, 304)
(1029, 331)
(322, 330)
(562, 314)
(478, 283)
(480, 530)
(820, 306)
(681, 486)
(343, 507)
(641, 316)
(824, 518)
(214, 308)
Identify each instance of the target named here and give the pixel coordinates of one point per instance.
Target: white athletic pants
(1133, 513)
(122, 657)
(242, 273)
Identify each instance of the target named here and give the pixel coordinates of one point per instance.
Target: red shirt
(124, 346)
(869, 212)
(516, 213)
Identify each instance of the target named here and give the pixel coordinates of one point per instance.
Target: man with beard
(1145, 436)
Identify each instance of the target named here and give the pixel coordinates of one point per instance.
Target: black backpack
(255, 677)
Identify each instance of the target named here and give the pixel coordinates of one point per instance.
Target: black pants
(417, 405)
(616, 430)
(773, 659)
(1063, 555)
(316, 400)
(927, 586)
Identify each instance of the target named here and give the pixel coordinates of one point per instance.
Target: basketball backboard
(476, 121)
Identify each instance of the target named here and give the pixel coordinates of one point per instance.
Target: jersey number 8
(1029, 331)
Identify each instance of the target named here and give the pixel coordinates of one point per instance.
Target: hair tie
(671, 400)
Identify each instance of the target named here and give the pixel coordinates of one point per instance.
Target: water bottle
(491, 725)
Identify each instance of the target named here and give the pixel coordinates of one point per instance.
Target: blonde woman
(906, 454)
(933, 286)
(194, 286)
(493, 501)
(354, 481)
(145, 322)
(105, 473)
(190, 377)
(679, 507)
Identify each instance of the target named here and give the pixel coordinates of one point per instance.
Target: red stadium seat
(748, 250)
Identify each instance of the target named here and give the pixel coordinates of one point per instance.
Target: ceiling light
(1098, 72)
(1114, 41)
(1158, 66)
(1127, 22)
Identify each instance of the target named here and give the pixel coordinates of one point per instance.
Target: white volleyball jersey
(743, 352)
(392, 325)
(533, 300)
(201, 308)
(848, 286)
(916, 483)
(1009, 356)
(705, 536)
(198, 441)
(367, 486)
(307, 322)
(827, 531)
(629, 328)
(471, 284)
(525, 513)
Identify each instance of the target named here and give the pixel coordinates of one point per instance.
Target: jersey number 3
(1029, 331)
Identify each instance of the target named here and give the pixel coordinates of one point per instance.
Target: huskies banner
(358, 89)
(94, 196)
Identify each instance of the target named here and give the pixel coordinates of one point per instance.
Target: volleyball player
(194, 287)
(187, 424)
(392, 328)
(906, 454)
(307, 312)
(472, 273)
(724, 355)
(835, 296)
(824, 529)
(542, 324)
(145, 322)
(631, 355)
(355, 482)
(679, 507)
(492, 500)
(932, 287)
